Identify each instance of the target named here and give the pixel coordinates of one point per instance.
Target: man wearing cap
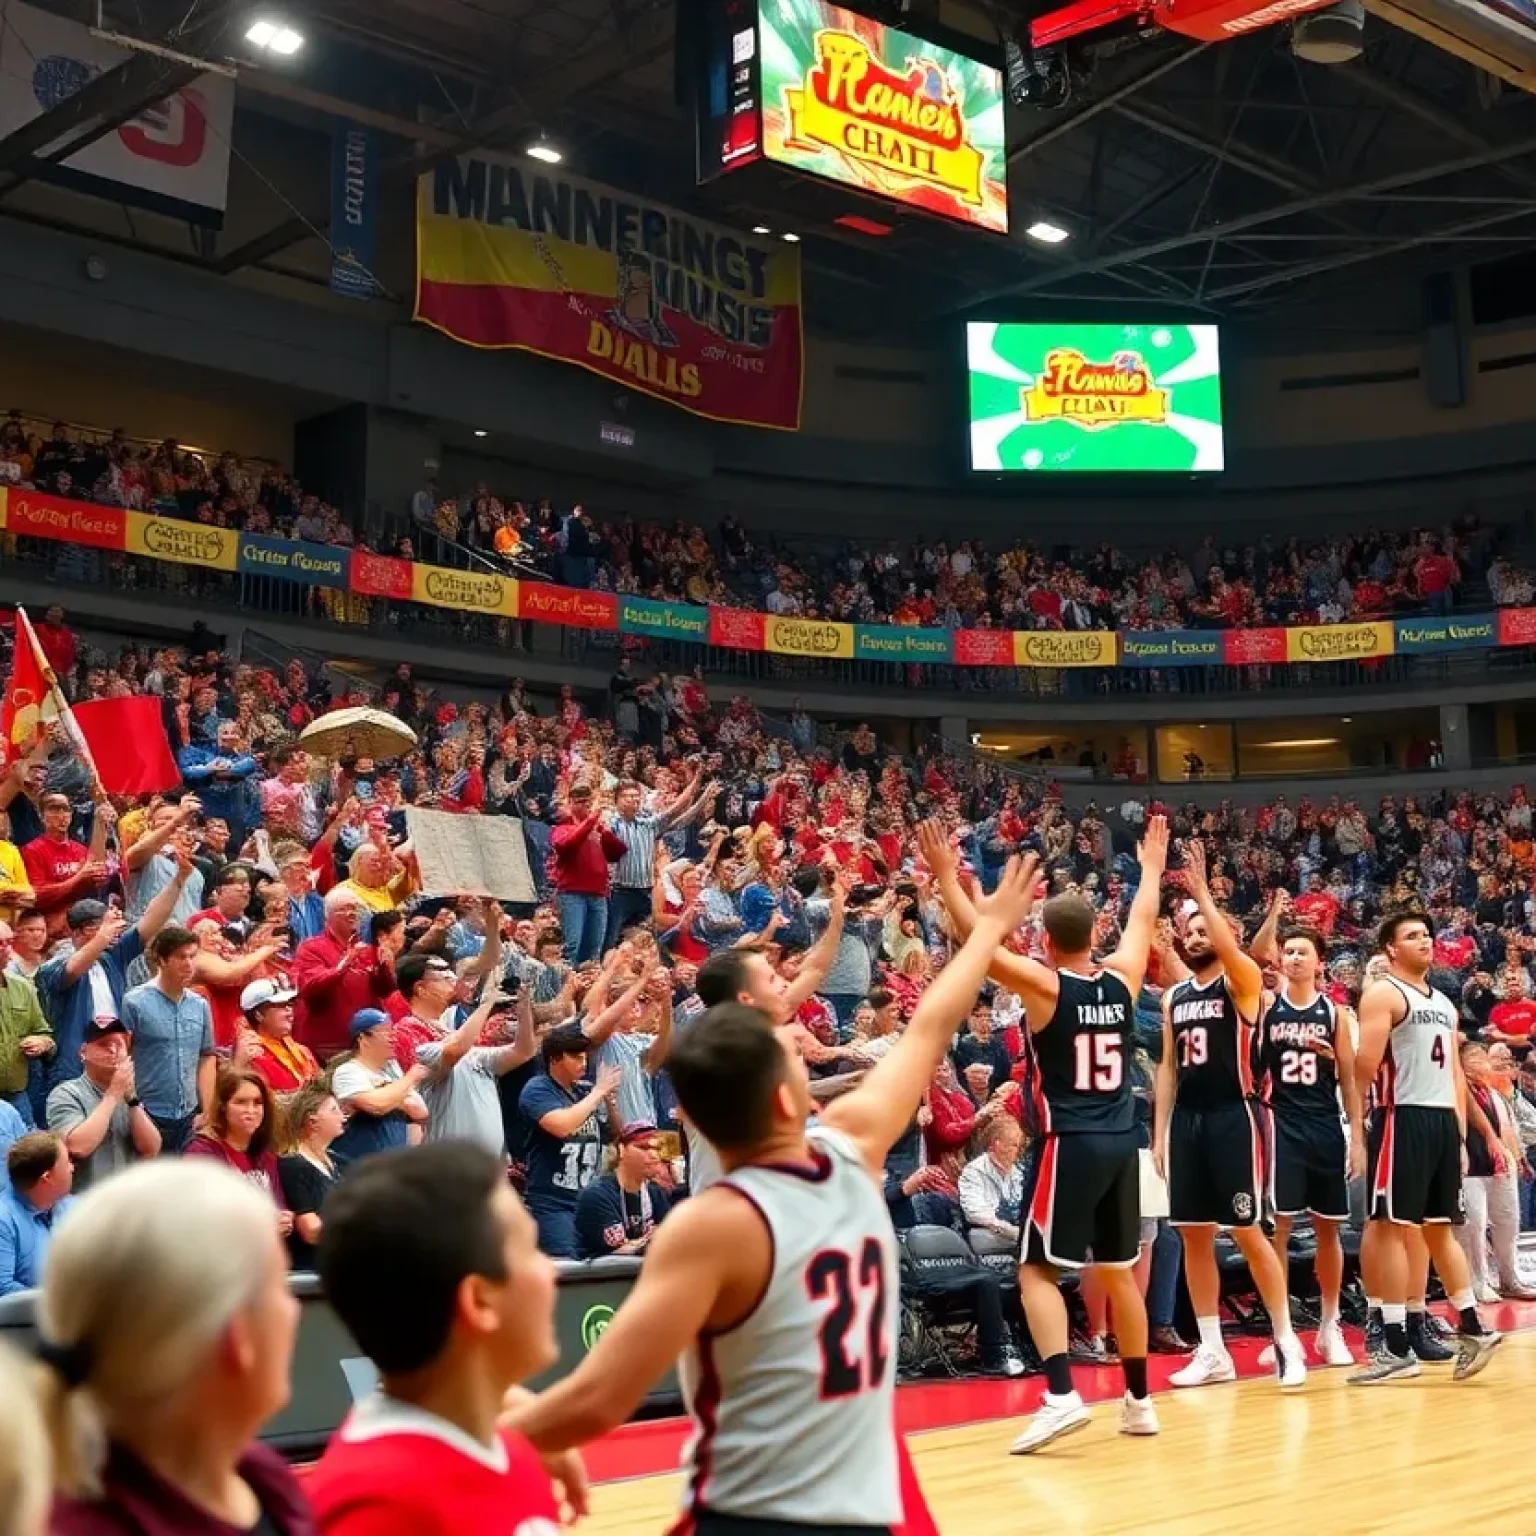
(89, 977)
(275, 1056)
(383, 1105)
(25, 1034)
(617, 1213)
(565, 1140)
(104, 1125)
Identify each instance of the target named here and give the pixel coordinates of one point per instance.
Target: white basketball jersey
(1418, 1067)
(794, 1408)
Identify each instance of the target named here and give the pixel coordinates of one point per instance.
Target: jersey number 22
(837, 1277)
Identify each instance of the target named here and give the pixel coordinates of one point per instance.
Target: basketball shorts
(1217, 1165)
(1311, 1166)
(1415, 1166)
(1082, 1203)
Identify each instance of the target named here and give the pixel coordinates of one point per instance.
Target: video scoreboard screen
(1055, 397)
(830, 92)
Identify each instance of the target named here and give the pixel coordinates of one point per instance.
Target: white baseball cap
(261, 994)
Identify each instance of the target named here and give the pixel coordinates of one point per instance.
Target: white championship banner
(471, 855)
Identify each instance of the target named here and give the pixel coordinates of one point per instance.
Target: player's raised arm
(1129, 960)
(1380, 1010)
(1244, 978)
(876, 1113)
(1265, 948)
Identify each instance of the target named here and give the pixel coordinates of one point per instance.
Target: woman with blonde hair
(25, 1480)
(167, 1331)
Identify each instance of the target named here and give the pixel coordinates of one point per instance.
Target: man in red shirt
(1434, 574)
(336, 976)
(1317, 907)
(468, 1313)
(582, 849)
(61, 870)
(58, 643)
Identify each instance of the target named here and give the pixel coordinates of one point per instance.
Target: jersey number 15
(1098, 1064)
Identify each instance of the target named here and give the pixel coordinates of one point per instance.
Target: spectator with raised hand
(153, 861)
(336, 976)
(640, 832)
(60, 869)
(460, 1088)
(383, 1104)
(174, 1057)
(582, 848)
(99, 1113)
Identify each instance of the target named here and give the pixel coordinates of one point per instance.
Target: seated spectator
(616, 1213)
(26, 1037)
(99, 1113)
(173, 1050)
(876, 1026)
(166, 1356)
(565, 1140)
(31, 1209)
(425, 1453)
(992, 1185)
(61, 870)
(383, 1105)
(274, 1055)
(308, 1170)
(980, 1045)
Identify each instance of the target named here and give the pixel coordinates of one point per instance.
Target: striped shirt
(634, 871)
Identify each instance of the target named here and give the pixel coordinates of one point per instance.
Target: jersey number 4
(837, 1277)
(1099, 1063)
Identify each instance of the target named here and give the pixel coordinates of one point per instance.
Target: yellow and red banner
(808, 637)
(1340, 642)
(169, 538)
(467, 591)
(1065, 648)
(520, 256)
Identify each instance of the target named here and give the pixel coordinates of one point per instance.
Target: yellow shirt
(381, 898)
(12, 873)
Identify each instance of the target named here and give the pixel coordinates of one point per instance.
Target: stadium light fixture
(481, 432)
(542, 149)
(273, 36)
(1043, 232)
(792, 238)
(761, 229)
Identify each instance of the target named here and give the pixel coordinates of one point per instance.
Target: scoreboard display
(827, 91)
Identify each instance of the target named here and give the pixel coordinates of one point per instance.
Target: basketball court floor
(1426, 1456)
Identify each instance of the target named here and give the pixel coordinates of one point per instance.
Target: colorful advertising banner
(820, 638)
(1057, 397)
(571, 606)
(354, 211)
(1339, 642)
(1252, 647)
(1517, 626)
(1171, 648)
(663, 621)
(736, 629)
(1464, 632)
(467, 591)
(1064, 648)
(983, 647)
(35, 514)
(316, 565)
(849, 99)
(167, 538)
(522, 256)
(372, 575)
(900, 642)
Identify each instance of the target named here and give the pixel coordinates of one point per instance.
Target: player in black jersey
(1309, 1061)
(1083, 1205)
(1208, 1135)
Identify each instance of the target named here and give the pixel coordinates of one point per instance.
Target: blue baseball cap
(366, 1019)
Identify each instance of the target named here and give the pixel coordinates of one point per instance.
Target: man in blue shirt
(224, 779)
(42, 1176)
(12, 1129)
(565, 1141)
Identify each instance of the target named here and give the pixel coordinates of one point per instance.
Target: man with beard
(1208, 1137)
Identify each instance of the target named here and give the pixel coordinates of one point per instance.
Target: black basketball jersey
(1298, 1057)
(1082, 1058)
(1214, 1047)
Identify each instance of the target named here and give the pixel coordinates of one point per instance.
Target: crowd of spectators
(247, 969)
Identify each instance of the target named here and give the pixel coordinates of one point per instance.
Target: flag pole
(62, 707)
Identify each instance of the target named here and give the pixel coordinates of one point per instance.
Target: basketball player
(1309, 1059)
(1409, 1034)
(778, 1284)
(1208, 1139)
(1085, 1202)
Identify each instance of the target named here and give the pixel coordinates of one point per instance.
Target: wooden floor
(1421, 1456)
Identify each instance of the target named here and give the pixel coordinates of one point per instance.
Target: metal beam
(1276, 173)
(1224, 228)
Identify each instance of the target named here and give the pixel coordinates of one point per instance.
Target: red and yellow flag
(30, 695)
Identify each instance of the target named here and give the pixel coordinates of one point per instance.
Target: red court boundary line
(655, 1446)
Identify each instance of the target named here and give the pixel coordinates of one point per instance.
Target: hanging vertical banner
(354, 211)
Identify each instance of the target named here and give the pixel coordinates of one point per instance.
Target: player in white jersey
(1409, 1045)
(778, 1285)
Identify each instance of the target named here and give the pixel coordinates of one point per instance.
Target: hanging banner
(661, 621)
(1517, 626)
(316, 565)
(736, 629)
(166, 538)
(572, 606)
(1064, 648)
(1463, 632)
(808, 637)
(354, 211)
(516, 255)
(1339, 642)
(1252, 647)
(35, 514)
(468, 591)
(1171, 648)
(983, 647)
(172, 158)
(901, 642)
(371, 575)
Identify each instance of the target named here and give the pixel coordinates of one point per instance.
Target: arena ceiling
(1232, 179)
